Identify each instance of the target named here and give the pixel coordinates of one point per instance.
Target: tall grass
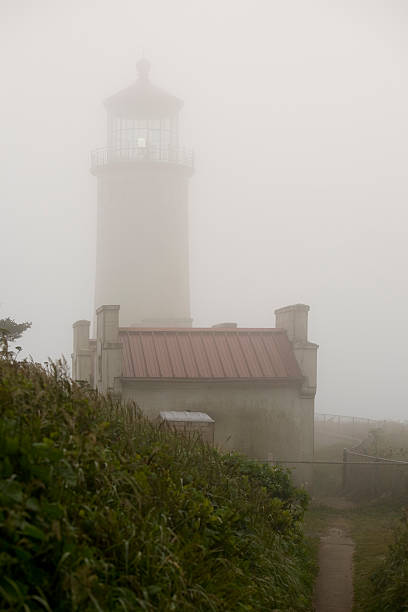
(102, 510)
(389, 582)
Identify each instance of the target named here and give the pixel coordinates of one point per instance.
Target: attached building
(258, 385)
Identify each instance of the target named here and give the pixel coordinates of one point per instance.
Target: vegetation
(372, 531)
(387, 590)
(102, 510)
(12, 330)
(383, 572)
(389, 441)
(380, 568)
(380, 561)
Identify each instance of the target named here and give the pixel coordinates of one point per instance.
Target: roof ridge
(222, 330)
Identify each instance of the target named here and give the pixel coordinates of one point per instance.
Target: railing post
(344, 476)
(376, 473)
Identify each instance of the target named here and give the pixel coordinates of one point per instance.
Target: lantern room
(143, 122)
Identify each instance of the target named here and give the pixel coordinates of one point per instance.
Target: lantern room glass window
(154, 134)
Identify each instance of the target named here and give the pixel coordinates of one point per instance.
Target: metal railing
(340, 419)
(116, 155)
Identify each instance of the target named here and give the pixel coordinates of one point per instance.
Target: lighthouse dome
(142, 99)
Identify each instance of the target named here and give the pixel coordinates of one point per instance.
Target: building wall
(142, 260)
(258, 419)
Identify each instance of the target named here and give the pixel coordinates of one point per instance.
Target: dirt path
(334, 587)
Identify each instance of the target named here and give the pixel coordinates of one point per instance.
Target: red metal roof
(208, 354)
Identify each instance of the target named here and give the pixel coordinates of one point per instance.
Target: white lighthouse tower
(142, 258)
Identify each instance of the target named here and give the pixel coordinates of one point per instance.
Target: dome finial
(143, 69)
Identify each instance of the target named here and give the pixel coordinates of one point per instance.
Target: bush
(102, 510)
(390, 580)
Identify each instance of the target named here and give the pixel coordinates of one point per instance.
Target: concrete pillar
(306, 357)
(82, 356)
(108, 348)
(293, 319)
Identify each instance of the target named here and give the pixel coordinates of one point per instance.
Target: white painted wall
(142, 260)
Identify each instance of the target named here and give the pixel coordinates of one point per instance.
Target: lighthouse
(142, 245)
(255, 385)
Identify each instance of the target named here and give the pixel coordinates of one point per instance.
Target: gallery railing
(340, 419)
(168, 155)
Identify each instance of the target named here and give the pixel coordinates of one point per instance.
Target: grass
(316, 521)
(387, 588)
(102, 510)
(380, 568)
(372, 529)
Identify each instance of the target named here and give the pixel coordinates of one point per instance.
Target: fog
(297, 113)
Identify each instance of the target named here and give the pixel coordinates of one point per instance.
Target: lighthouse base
(164, 323)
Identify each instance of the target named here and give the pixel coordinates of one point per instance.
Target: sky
(297, 114)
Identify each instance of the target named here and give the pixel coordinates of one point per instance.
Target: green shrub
(390, 580)
(102, 510)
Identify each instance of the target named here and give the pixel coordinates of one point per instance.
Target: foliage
(10, 331)
(102, 510)
(389, 591)
(372, 531)
(371, 527)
